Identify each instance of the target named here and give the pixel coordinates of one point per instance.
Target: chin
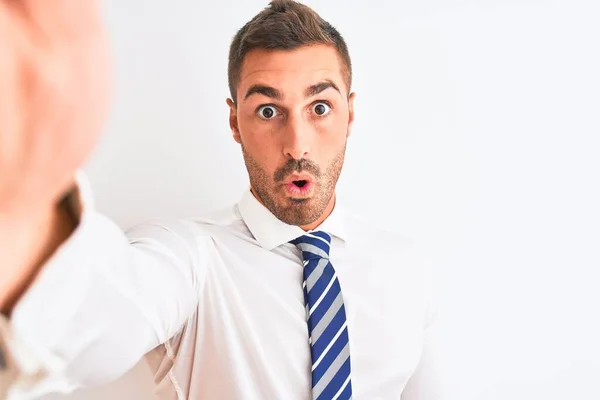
(296, 220)
(300, 200)
(299, 211)
(293, 210)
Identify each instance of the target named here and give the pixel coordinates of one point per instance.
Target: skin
(54, 80)
(54, 60)
(310, 114)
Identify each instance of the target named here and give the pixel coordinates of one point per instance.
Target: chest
(252, 312)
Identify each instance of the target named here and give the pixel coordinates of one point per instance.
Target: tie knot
(314, 245)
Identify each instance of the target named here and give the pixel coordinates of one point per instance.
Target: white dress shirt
(217, 307)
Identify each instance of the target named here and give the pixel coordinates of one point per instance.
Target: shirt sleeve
(103, 300)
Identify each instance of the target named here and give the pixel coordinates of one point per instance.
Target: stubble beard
(300, 212)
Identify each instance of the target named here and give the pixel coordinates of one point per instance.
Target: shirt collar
(270, 232)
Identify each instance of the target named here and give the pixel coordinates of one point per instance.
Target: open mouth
(300, 184)
(299, 188)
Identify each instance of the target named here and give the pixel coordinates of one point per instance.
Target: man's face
(292, 118)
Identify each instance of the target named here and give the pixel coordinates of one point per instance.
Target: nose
(298, 138)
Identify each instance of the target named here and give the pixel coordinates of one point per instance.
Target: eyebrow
(320, 87)
(273, 93)
(265, 91)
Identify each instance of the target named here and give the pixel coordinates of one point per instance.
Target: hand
(53, 98)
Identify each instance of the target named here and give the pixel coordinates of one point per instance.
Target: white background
(477, 133)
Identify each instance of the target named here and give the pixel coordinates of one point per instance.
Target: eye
(321, 109)
(267, 112)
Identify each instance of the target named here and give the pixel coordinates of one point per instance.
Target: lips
(299, 179)
(299, 185)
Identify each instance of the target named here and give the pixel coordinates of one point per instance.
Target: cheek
(260, 149)
(332, 131)
(250, 133)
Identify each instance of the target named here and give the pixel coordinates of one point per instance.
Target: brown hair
(284, 25)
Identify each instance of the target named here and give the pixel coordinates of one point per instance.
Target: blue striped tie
(326, 316)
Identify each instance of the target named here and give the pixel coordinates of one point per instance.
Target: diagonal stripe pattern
(326, 317)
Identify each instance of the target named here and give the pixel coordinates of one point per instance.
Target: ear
(233, 121)
(350, 112)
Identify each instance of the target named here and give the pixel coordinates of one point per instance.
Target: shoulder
(218, 222)
(378, 234)
(387, 245)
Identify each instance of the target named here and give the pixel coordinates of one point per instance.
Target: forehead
(291, 71)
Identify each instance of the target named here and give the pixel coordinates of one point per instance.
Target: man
(283, 296)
